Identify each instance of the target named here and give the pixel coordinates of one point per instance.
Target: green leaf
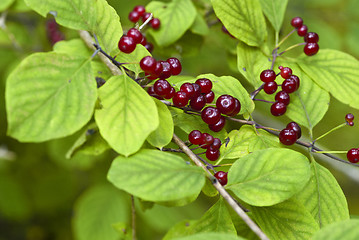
(287, 220)
(176, 18)
(246, 140)
(4, 4)
(274, 10)
(124, 230)
(265, 177)
(347, 230)
(216, 219)
(199, 25)
(210, 236)
(164, 133)
(251, 61)
(336, 72)
(309, 104)
(78, 14)
(108, 28)
(160, 176)
(323, 197)
(243, 19)
(133, 59)
(49, 95)
(127, 115)
(72, 46)
(95, 212)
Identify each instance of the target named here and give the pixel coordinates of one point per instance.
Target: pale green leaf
(199, 25)
(323, 197)
(127, 114)
(176, 18)
(210, 236)
(336, 72)
(251, 62)
(133, 59)
(164, 133)
(4, 4)
(124, 231)
(243, 19)
(347, 230)
(274, 10)
(246, 140)
(72, 46)
(160, 176)
(265, 177)
(49, 95)
(287, 220)
(75, 14)
(95, 212)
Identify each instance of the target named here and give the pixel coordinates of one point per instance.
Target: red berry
(188, 88)
(149, 47)
(351, 124)
(297, 22)
(270, 87)
(144, 41)
(180, 99)
(311, 37)
(157, 72)
(155, 23)
(216, 143)
(219, 125)
(151, 92)
(176, 66)
(210, 115)
(162, 87)
(353, 155)
(287, 136)
(126, 44)
(222, 177)
(209, 97)
(311, 49)
(296, 79)
(302, 30)
(237, 108)
(166, 70)
(140, 9)
(145, 16)
(134, 16)
(268, 76)
(198, 102)
(197, 89)
(170, 94)
(135, 34)
(285, 72)
(296, 128)
(225, 104)
(349, 117)
(207, 140)
(205, 84)
(195, 137)
(278, 109)
(289, 85)
(212, 154)
(283, 97)
(148, 64)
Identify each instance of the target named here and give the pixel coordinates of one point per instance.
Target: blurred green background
(39, 187)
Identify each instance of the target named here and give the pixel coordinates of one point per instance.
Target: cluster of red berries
(160, 69)
(290, 134)
(290, 84)
(53, 32)
(139, 12)
(311, 38)
(349, 118)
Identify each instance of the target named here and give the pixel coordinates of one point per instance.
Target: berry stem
(331, 151)
(291, 47)
(285, 38)
(223, 165)
(146, 22)
(262, 100)
(330, 131)
(255, 92)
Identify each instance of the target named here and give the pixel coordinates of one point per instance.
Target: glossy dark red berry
(289, 85)
(296, 22)
(222, 177)
(176, 66)
(148, 64)
(134, 16)
(296, 128)
(287, 136)
(296, 79)
(351, 124)
(144, 41)
(278, 109)
(195, 137)
(158, 70)
(205, 84)
(135, 34)
(218, 126)
(180, 99)
(285, 72)
(268, 76)
(210, 115)
(145, 16)
(237, 108)
(302, 30)
(140, 9)
(349, 117)
(207, 140)
(188, 88)
(149, 47)
(155, 23)
(270, 87)
(151, 92)
(197, 89)
(209, 97)
(212, 154)
(283, 97)
(225, 104)
(311, 37)
(216, 143)
(162, 87)
(311, 49)
(127, 44)
(166, 70)
(353, 155)
(197, 102)
(170, 94)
